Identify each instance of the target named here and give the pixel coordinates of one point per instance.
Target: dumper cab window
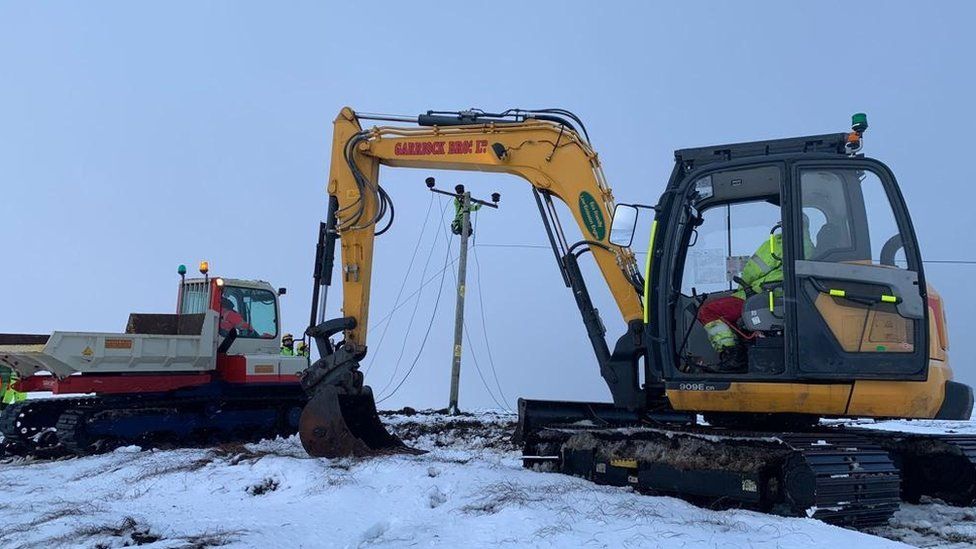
(251, 311)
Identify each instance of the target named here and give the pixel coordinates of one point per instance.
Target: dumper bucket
(339, 425)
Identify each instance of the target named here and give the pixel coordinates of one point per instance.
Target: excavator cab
(848, 306)
(849, 289)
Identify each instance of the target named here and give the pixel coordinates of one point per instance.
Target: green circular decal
(592, 215)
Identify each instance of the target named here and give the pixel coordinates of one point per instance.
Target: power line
(474, 356)
(484, 323)
(530, 246)
(403, 284)
(638, 252)
(433, 314)
(467, 335)
(413, 314)
(414, 293)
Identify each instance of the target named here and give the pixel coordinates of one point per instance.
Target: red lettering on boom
(427, 148)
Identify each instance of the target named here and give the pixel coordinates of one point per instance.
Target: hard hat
(287, 337)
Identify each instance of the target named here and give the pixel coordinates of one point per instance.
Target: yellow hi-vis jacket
(766, 265)
(7, 394)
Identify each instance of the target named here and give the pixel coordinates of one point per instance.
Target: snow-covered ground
(469, 490)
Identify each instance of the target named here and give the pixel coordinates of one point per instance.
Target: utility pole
(464, 203)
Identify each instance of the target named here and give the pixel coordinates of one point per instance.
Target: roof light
(204, 267)
(859, 122)
(181, 270)
(220, 282)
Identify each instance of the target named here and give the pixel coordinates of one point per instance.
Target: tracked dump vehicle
(210, 372)
(850, 328)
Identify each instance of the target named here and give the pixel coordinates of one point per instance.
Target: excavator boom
(546, 149)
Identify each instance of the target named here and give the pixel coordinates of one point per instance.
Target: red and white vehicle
(211, 370)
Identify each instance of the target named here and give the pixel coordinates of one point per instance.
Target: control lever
(699, 301)
(745, 287)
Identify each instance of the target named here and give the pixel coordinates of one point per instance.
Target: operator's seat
(829, 238)
(757, 315)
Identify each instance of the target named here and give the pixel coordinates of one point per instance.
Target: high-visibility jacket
(766, 265)
(287, 351)
(459, 209)
(459, 215)
(7, 394)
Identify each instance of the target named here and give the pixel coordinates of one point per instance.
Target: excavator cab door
(860, 304)
(850, 302)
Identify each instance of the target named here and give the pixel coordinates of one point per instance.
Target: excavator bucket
(338, 425)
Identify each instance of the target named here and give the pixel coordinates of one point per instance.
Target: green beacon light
(859, 122)
(181, 270)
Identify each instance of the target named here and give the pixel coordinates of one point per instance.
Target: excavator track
(839, 478)
(57, 427)
(941, 466)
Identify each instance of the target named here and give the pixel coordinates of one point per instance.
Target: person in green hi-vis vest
(7, 394)
(288, 345)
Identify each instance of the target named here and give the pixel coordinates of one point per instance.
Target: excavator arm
(549, 156)
(544, 149)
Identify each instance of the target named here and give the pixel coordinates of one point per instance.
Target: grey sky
(136, 137)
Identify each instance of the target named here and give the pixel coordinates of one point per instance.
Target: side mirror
(623, 225)
(282, 291)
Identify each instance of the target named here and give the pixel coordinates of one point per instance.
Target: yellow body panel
(801, 398)
(904, 399)
(908, 399)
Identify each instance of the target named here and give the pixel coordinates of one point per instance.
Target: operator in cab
(763, 272)
(230, 318)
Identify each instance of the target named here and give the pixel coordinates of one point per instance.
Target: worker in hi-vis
(288, 345)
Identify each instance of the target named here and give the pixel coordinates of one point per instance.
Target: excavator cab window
(733, 214)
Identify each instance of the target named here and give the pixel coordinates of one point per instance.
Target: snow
(469, 490)
(921, 426)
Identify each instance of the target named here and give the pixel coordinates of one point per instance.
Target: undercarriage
(841, 475)
(53, 427)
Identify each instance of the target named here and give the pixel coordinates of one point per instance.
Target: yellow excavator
(849, 330)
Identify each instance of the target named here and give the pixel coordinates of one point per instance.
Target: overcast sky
(134, 138)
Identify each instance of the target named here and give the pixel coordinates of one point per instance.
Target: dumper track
(840, 478)
(28, 427)
(64, 426)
